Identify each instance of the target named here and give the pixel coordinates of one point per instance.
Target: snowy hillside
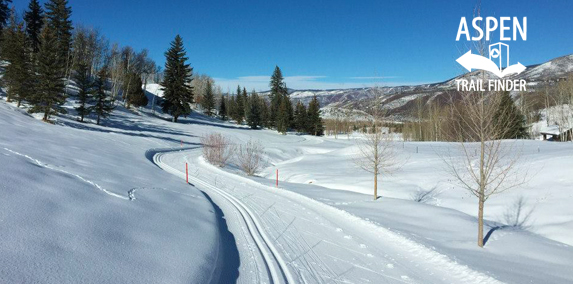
(341, 113)
(82, 202)
(110, 202)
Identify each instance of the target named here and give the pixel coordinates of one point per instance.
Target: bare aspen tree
(147, 70)
(115, 71)
(155, 76)
(127, 54)
(435, 120)
(250, 157)
(376, 152)
(487, 165)
(420, 116)
(348, 123)
(336, 124)
(199, 84)
(569, 90)
(564, 107)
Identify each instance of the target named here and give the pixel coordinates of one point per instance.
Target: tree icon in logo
(497, 52)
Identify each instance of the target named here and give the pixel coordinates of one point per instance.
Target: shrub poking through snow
(217, 149)
(250, 157)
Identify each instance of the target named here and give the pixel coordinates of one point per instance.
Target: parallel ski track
(276, 266)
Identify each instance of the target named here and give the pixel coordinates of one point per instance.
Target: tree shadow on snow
(228, 262)
(517, 216)
(93, 127)
(198, 119)
(121, 123)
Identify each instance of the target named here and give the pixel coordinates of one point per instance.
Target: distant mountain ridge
(396, 99)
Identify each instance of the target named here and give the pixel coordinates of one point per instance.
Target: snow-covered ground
(66, 214)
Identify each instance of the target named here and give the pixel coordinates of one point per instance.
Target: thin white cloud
(374, 78)
(261, 83)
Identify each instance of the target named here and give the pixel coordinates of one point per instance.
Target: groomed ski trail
(273, 263)
(320, 244)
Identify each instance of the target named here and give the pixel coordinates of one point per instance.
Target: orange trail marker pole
(186, 173)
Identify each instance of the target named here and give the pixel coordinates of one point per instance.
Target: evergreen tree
(254, 113)
(34, 22)
(223, 108)
(18, 75)
(282, 118)
(278, 89)
(4, 13)
(508, 116)
(178, 93)
(58, 15)
(314, 125)
(85, 86)
(208, 101)
(290, 110)
(231, 106)
(300, 117)
(50, 93)
(103, 104)
(240, 106)
(265, 113)
(246, 102)
(137, 95)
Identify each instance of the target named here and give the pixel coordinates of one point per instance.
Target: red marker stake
(186, 173)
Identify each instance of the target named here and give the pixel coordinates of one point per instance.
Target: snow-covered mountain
(398, 100)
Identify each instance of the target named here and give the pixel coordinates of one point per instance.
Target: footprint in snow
(363, 246)
(405, 277)
(348, 237)
(338, 229)
(390, 265)
(370, 255)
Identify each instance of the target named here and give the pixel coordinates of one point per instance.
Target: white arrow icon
(473, 61)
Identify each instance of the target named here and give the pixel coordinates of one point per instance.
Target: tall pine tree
(103, 104)
(314, 121)
(49, 97)
(137, 95)
(509, 117)
(300, 117)
(34, 22)
(4, 13)
(278, 89)
(265, 114)
(231, 107)
(18, 74)
(240, 106)
(178, 93)
(85, 89)
(282, 118)
(290, 110)
(254, 114)
(208, 101)
(223, 108)
(58, 15)
(246, 102)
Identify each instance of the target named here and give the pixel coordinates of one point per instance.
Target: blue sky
(322, 44)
